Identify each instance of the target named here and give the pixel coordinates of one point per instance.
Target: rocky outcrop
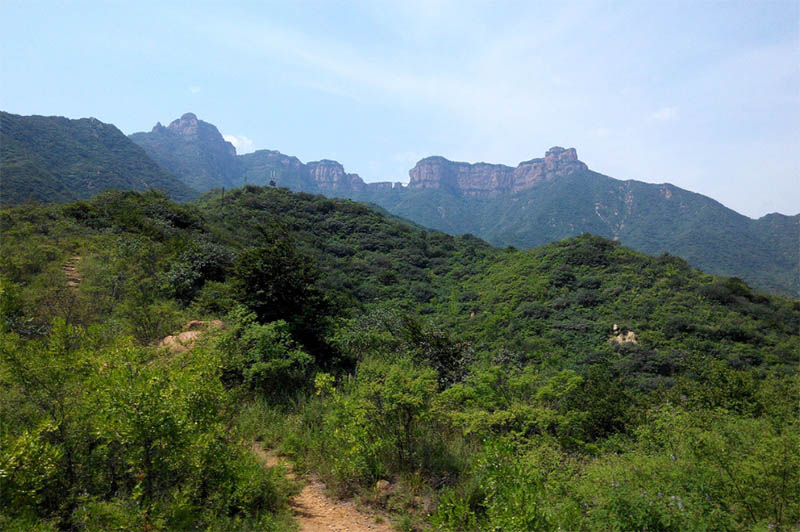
(620, 337)
(491, 180)
(186, 340)
(381, 185)
(330, 175)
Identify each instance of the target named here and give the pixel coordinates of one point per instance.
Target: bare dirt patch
(70, 269)
(178, 343)
(316, 512)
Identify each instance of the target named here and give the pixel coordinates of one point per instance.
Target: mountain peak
(562, 154)
(186, 125)
(193, 150)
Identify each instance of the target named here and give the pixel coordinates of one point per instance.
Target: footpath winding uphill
(313, 510)
(316, 512)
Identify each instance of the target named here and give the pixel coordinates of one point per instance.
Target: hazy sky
(704, 95)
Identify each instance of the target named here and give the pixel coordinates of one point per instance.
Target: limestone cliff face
(381, 185)
(330, 175)
(491, 180)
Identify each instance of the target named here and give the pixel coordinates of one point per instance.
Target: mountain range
(539, 201)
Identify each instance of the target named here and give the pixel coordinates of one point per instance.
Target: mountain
(538, 201)
(58, 159)
(493, 180)
(194, 151)
(579, 386)
(545, 200)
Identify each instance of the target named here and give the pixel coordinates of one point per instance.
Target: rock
(330, 175)
(178, 343)
(381, 185)
(384, 488)
(617, 336)
(491, 180)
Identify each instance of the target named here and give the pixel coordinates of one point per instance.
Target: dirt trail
(316, 512)
(71, 272)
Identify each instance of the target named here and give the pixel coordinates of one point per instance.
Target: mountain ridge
(539, 201)
(556, 196)
(52, 158)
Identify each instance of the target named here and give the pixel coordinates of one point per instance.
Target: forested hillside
(579, 385)
(646, 217)
(51, 158)
(539, 201)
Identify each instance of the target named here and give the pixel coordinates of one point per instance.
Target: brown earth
(316, 512)
(178, 343)
(70, 269)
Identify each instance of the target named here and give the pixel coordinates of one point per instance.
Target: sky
(703, 95)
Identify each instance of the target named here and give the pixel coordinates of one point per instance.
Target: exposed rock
(491, 180)
(178, 343)
(384, 488)
(382, 185)
(619, 337)
(330, 175)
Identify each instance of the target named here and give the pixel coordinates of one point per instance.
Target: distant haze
(705, 95)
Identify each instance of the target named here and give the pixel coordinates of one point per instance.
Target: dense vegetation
(649, 218)
(51, 158)
(646, 217)
(56, 159)
(488, 386)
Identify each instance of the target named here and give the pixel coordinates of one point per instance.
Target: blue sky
(704, 95)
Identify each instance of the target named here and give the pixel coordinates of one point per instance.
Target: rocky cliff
(330, 175)
(492, 180)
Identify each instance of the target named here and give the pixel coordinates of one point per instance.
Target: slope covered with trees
(646, 217)
(578, 385)
(542, 200)
(57, 159)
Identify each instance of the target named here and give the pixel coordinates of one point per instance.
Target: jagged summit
(193, 150)
(491, 180)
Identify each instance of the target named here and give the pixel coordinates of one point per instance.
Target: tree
(277, 282)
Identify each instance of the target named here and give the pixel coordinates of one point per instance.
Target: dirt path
(316, 512)
(70, 271)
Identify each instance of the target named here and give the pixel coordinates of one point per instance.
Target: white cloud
(241, 143)
(194, 90)
(665, 114)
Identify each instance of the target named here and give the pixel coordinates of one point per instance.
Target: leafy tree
(276, 282)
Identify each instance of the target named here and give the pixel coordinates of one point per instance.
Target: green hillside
(58, 159)
(649, 218)
(194, 151)
(653, 218)
(578, 385)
